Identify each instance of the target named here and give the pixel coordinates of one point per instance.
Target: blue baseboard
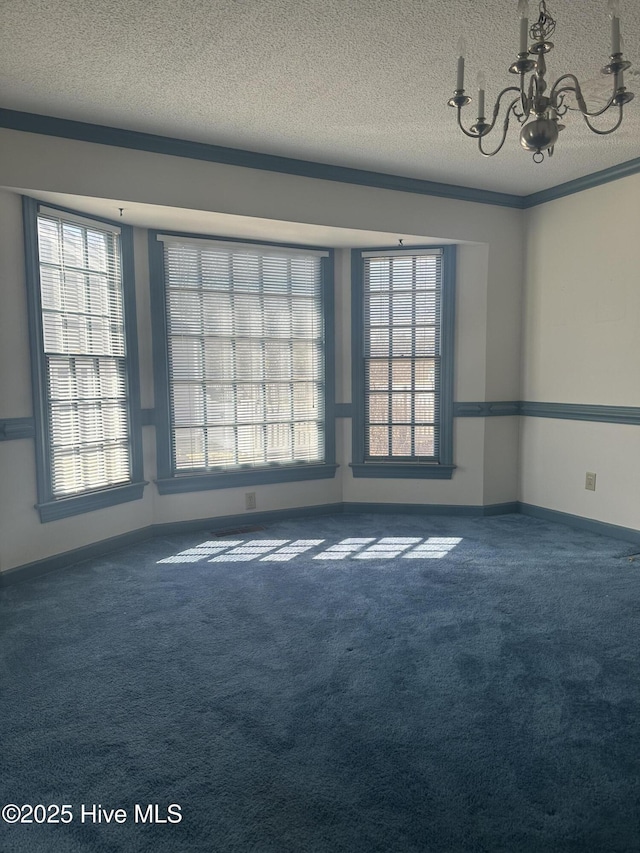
(615, 531)
(430, 509)
(77, 555)
(229, 521)
(115, 543)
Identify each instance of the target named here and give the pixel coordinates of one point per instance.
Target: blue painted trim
(159, 337)
(11, 428)
(470, 410)
(402, 470)
(147, 417)
(36, 347)
(580, 412)
(251, 477)
(447, 355)
(504, 409)
(431, 509)
(132, 355)
(108, 546)
(51, 508)
(30, 571)
(357, 357)
(121, 138)
(344, 410)
(486, 409)
(587, 182)
(103, 135)
(603, 528)
(67, 559)
(562, 411)
(443, 469)
(90, 501)
(164, 232)
(327, 270)
(229, 521)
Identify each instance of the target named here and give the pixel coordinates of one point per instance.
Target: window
(402, 310)
(84, 362)
(243, 341)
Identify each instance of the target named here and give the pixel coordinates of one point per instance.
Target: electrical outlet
(590, 481)
(250, 500)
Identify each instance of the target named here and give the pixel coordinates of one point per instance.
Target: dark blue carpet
(486, 700)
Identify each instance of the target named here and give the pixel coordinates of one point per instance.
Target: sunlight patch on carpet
(283, 550)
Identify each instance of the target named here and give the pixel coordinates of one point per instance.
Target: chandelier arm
(577, 91)
(524, 98)
(505, 128)
(478, 134)
(496, 108)
(471, 134)
(604, 132)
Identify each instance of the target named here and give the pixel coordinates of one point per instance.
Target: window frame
(51, 508)
(443, 468)
(170, 481)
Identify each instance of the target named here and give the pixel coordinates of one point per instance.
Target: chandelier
(537, 106)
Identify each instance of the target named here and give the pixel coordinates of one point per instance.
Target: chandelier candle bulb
(620, 80)
(462, 47)
(523, 9)
(614, 12)
(481, 85)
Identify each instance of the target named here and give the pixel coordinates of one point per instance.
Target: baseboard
(430, 509)
(115, 543)
(224, 522)
(615, 531)
(77, 555)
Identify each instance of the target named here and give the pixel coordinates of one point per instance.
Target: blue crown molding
(587, 182)
(121, 138)
(11, 428)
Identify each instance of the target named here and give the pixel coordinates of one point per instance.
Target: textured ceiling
(361, 84)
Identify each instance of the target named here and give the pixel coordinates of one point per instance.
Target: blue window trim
(49, 507)
(170, 482)
(444, 468)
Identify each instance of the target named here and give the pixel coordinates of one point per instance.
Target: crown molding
(587, 182)
(103, 135)
(156, 144)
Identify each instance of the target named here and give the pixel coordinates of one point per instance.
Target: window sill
(77, 504)
(403, 470)
(250, 477)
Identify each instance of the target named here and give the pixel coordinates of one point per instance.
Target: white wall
(581, 345)
(487, 332)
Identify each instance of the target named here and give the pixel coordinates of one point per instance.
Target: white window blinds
(402, 331)
(81, 300)
(246, 355)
